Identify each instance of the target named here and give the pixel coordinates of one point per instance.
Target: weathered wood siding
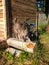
(21, 8)
(2, 20)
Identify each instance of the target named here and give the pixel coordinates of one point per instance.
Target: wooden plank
(14, 10)
(1, 10)
(2, 37)
(0, 0)
(0, 3)
(1, 19)
(28, 3)
(1, 7)
(1, 15)
(2, 33)
(1, 29)
(24, 17)
(21, 13)
(1, 23)
(23, 7)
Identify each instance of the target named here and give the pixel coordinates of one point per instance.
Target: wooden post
(37, 23)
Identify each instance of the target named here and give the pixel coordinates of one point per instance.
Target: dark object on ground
(3, 61)
(3, 44)
(32, 35)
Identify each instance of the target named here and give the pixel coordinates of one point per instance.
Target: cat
(20, 30)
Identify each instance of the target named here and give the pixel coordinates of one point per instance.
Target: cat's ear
(14, 20)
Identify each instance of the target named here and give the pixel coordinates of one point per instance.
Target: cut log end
(26, 46)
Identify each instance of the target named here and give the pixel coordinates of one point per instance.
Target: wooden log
(26, 46)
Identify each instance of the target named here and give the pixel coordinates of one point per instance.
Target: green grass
(24, 58)
(40, 56)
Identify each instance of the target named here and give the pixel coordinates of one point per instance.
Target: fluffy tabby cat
(20, 31)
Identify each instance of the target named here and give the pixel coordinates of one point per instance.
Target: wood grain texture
(2, 37)
(0, 0)
(1, 32)
(29, 2)
(1, 10)
(26, 10)
(0, 3)
(21, 8)
(1, 15)
(1, 21)
(23, 13)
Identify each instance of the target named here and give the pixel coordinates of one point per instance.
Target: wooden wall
(2, 20)
(21, 8)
